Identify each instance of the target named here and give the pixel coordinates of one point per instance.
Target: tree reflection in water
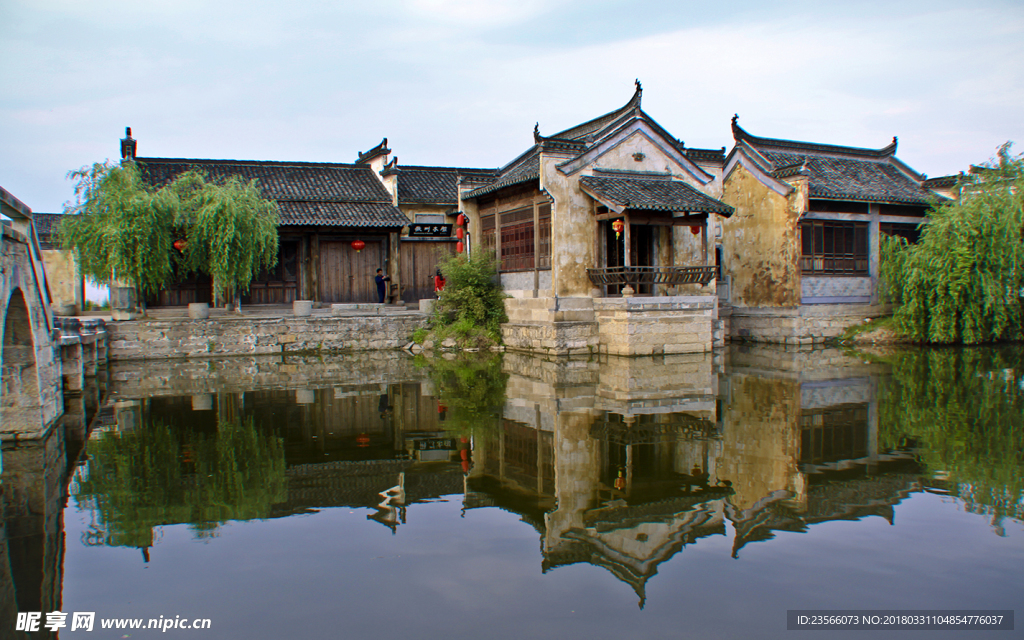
(962, 408)
(155, 475)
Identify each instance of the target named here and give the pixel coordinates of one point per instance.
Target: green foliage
(472, 295)
(472, 387)
(156, 475)
(230, 229)
(419, 336)
(124, 228)
(962, 281)
(964, 407)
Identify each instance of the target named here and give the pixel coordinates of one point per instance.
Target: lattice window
(487, 229)
(902, 230)
(832, 247)
(517, 240)
(544, 237)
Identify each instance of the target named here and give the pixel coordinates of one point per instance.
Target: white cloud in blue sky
(461, 82)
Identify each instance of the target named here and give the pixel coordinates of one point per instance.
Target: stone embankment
(230, 335)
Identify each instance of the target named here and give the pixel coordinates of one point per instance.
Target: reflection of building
(623, 463)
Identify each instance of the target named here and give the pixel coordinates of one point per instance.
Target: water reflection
(622, 464)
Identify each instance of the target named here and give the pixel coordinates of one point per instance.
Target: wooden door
(420, 261)
(346, 275)
(280, 285)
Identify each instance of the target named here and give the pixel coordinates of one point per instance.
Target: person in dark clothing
(382, 288)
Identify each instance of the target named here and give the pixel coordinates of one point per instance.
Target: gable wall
(574, 230)
(761, 242)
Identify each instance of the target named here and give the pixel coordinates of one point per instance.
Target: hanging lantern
(358, 245)
(459, 247)
(695, 229)
(460, 232)
(618, 226)
(362, 440)
(461, 220)
(179, 245)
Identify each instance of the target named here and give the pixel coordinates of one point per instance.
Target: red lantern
(459, 247)
(179, 245)
(460, 232)
(358, 245)
(362, 440)
(695, 229)
(461, 220)
(618, 226)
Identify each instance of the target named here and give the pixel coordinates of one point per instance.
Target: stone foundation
(552, 326)
(155, 339)
(808, 324)
(658, 325)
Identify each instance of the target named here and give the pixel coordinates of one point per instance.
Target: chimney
(128, 144)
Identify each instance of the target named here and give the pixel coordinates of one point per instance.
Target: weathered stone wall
(814, 289)
(554, 326)
(155, 339)
(645, 326)
(760, 242)
(67, 288)
(807, 324)
(135, 379)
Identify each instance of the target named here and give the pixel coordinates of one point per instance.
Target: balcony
(639, 276)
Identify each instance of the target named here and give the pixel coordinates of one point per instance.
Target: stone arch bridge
(31, 397)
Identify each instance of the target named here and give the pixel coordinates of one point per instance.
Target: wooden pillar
(314, 267)
(704, 239)
(627, 246)
(536, 245)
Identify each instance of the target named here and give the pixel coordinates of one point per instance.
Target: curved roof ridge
(796, 146)
(253, 163)
(598, 123)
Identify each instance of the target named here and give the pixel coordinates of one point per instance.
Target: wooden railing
(637, 276)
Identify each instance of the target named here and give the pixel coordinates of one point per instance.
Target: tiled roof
(705, 155)
(341, 214)
(308, 193)
(855, 179)
(942, 182)
(435, 185)
(653, 195)
(840, 173)
(523, 169)
(46, 228)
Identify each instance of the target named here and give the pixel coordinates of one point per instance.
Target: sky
(462, 82)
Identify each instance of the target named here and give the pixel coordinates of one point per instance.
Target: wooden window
(832, 247)
(544, 237)
(517, 240)
(910, 232)
(487, 228)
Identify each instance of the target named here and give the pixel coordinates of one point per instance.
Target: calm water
(375, 496)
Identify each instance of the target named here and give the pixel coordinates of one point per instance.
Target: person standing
(381, 279)
(438, 283)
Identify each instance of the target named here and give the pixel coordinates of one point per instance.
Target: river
(505, 496)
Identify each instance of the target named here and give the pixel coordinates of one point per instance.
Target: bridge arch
(20, 397)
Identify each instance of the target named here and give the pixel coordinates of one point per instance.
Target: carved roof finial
(735, 117)
(536, 132)
(639, 89)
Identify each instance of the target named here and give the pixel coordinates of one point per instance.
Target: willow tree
(126, 229)
(962, 282)
(230, 230)
(123, 227)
